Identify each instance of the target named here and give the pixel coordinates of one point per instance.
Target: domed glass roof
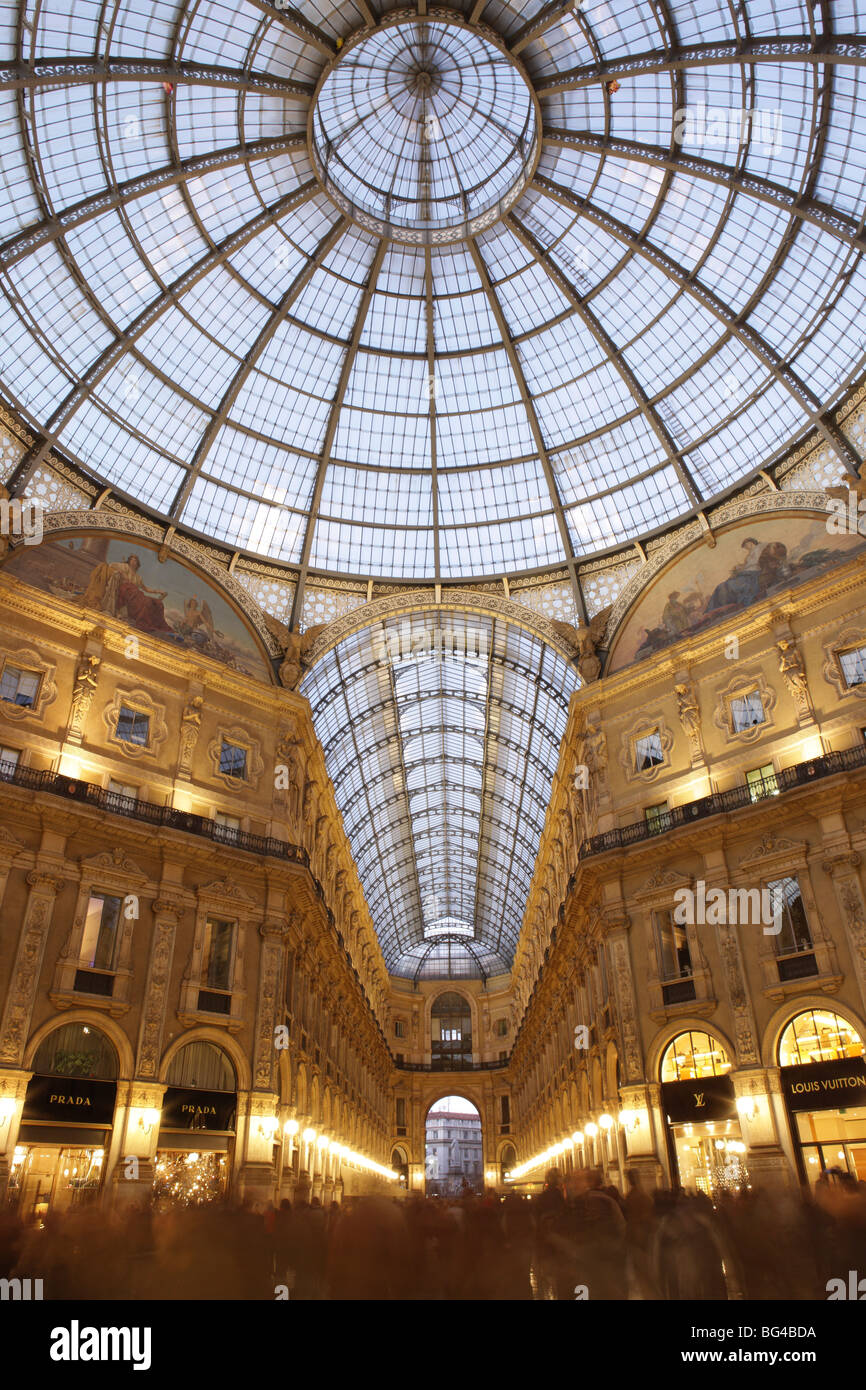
(429, 293)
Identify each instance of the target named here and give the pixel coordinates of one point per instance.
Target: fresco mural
(124, 579)
(751, 561)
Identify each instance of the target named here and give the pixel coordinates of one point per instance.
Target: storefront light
(308, 1136)
(606, 1121)
(268, 1126)
(7, 1110)
(291, 1128)
(747, 1107)
(591, 1130)
(577, 1137)
(629, 1119)
(323, 1142)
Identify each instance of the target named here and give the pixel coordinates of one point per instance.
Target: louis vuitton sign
(693, 1102)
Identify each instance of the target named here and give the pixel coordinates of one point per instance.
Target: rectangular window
(19, 687)
(675, 960)
(133, 726)
(8, 760)
(795, 935)
(761, 782)
(227, 828)
(853, 664)
(501, 1027)
(746, 711)
(124, 789)
(233, 760)
(217, 959)
(101, 930)
(399, 1028)
(401, 1112)
(648, 750)
(656, 817)
(505, 1110)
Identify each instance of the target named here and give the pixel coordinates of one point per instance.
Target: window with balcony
(674, 958)
(747, 710)
(761, 782)
(227, 828)
(657, 817)
(8, 761)
(97, 956)
(215, 994)
(19, 687)
(125, 790)
(793, 945)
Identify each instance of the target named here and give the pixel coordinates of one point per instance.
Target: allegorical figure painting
(709, 585)
(125, 580)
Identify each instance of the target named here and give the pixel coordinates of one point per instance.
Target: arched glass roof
(441, 734)
(481, 289)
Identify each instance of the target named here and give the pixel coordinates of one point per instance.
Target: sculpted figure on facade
(86, 676)
(290, 755)
(690, 715)
(794, 674)
(190, 726)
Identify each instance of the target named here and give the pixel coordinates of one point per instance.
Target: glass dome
(435, 294)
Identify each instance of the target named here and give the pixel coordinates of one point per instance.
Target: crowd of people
(576, 1239)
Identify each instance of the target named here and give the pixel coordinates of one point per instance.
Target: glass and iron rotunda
(431, 295)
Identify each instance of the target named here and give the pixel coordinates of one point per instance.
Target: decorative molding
(253, 764)
(832, 669)
(645, 724)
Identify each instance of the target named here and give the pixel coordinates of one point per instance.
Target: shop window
(693, 1055)
(853, 666)
(19, 687)
(657, 817)
(761, 782)
(674, 957)
(793, 943)
(133, 727)
(818, 1036)
(648, 751)
(8, 762)
(201, 1066)
(233, 760)
(76, 1049)
(746, 711)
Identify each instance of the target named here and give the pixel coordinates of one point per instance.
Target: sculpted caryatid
(83, 691)
(689, 712)
(792, 668)
(290, 755)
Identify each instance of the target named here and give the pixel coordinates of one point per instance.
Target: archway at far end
(453, 1148)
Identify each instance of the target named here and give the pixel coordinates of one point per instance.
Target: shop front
(195, 1149)
(705, 1144)
(823, 1074)
(66, 1123)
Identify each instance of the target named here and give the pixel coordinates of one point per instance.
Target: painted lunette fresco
(750, 562)
(124, 579)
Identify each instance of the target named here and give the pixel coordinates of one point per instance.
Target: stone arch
(801, 1004)
(666, 1035)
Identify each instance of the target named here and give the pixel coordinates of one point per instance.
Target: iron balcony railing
(450, 1064)
(73, 788)
(718, 802)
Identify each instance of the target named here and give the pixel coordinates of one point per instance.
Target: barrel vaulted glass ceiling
(441, 734)
(475, 291)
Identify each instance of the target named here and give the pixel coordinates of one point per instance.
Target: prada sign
(826, 1085)
(182, 1109)
(693, 1102)
(70, 1099)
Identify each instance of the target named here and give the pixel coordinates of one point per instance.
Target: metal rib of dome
(671, 299)
(441, 734)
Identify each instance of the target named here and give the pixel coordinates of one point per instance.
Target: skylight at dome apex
(430, 293)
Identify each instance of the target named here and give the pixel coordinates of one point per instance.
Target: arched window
(400, 1164)
(76, 1049)
(818, 1036)
(507, 1160)
(692, 1055)
(202, 1066)
(451, 1031)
